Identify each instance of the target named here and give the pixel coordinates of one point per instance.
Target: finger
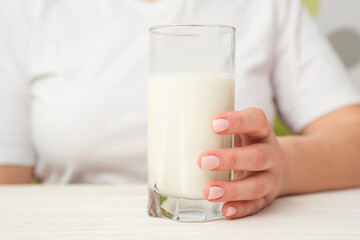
(241, 209)
(251, 121)
(238, 142)
(250, 188)
(256, 157)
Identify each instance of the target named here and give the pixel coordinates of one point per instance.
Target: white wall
(340, 22)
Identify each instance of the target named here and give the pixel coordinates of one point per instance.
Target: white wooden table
(115, 212)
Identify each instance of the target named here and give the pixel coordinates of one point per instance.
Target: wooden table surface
(117, 212)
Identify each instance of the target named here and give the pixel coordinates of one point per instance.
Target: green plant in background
(280, 129)
(312, 6)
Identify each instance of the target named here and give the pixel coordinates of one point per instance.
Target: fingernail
(230, 211)
(220, 125)
(210, 162)
(215, 192)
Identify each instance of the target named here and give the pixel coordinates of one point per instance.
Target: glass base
(181, 209)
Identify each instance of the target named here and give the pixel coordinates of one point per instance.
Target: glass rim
(157, 29)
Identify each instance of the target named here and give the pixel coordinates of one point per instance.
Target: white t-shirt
(73, 78)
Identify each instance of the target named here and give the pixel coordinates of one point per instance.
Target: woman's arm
(15, 175)
(326, 156)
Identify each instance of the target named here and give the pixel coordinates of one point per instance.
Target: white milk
(181, 109)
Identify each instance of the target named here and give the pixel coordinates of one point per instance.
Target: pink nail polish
(230, 211)
(210, 162)
(220, 125)
(215, 192)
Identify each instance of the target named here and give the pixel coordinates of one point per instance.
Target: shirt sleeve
(15, 140)
(309, 80)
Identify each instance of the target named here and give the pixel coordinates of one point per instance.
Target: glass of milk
(191, 82)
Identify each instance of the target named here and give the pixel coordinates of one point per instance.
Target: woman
(73, 97)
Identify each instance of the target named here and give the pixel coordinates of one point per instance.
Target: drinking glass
(191, 82)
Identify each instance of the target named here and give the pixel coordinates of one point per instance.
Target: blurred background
(339, 20)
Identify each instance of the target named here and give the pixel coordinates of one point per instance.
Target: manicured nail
(220, 125)
(215, 192)
(210, 162)
(230, 211)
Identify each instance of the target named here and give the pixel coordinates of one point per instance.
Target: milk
(181, 109)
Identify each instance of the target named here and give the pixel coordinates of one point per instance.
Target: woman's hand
(257, 159)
